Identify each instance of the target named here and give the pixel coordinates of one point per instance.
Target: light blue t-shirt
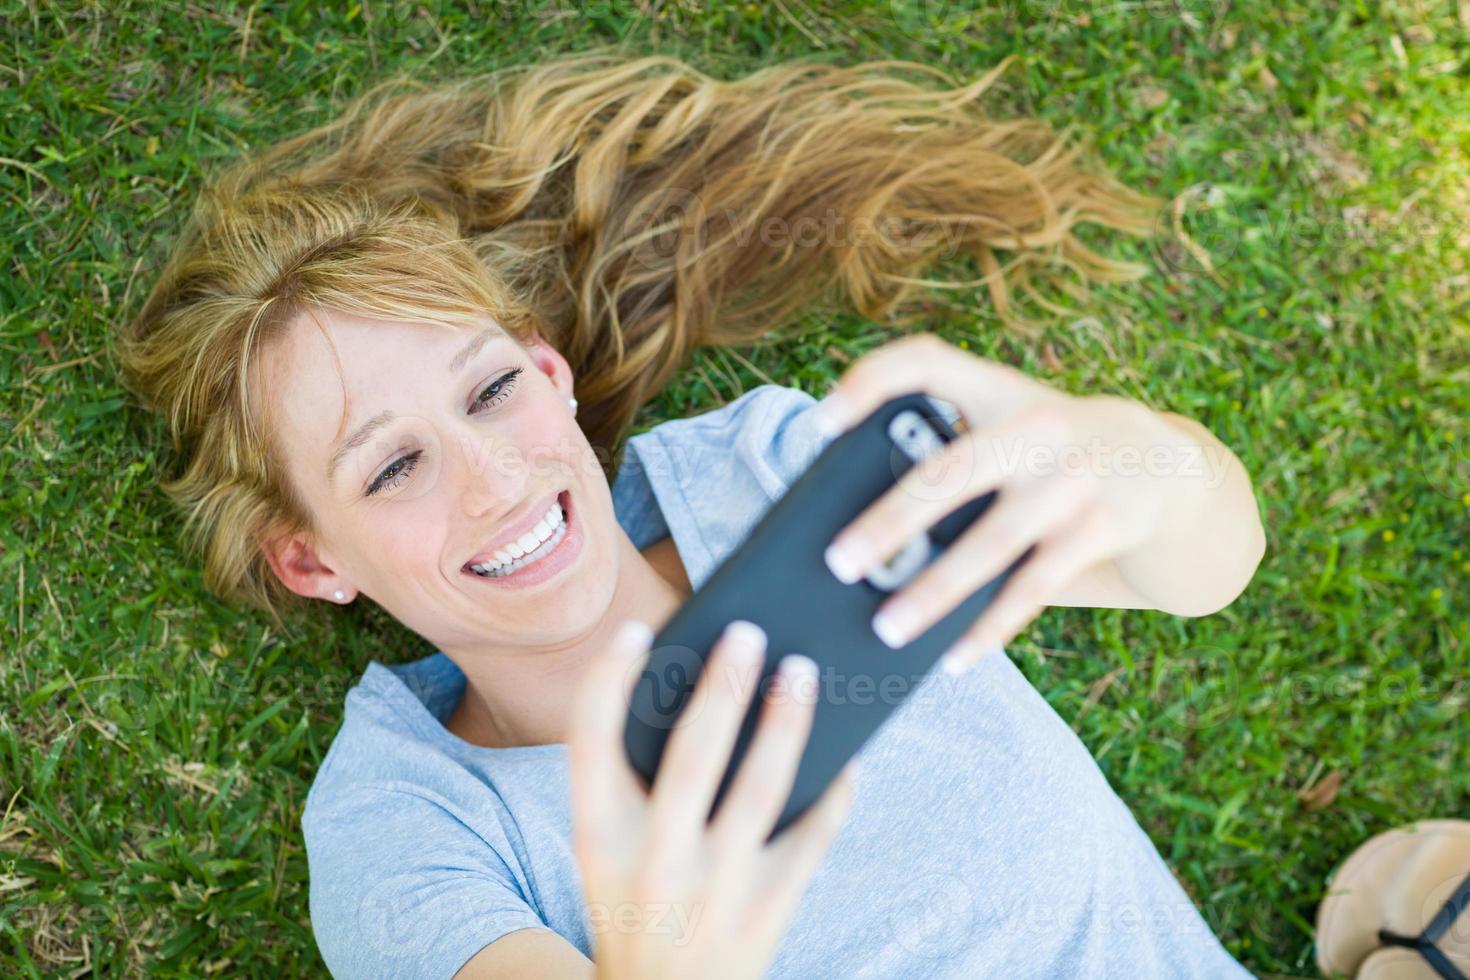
(983, 839)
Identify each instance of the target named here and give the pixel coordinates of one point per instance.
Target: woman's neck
(524, 698)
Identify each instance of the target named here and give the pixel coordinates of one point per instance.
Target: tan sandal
(1399, 907)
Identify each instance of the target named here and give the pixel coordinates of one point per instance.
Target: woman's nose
(487, 481)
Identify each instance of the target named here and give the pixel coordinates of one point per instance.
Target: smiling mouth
(531, 547)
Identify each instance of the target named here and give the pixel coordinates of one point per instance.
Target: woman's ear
(294, 560)
(548, 361)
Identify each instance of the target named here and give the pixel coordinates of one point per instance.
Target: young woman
(397, 354)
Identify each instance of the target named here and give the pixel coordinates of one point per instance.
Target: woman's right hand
(668, 893)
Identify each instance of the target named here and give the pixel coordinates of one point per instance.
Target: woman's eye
(496, 391)
(395, 472)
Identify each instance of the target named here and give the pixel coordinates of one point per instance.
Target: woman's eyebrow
(472, 348)
(359, 438)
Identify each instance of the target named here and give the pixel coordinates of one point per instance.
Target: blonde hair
(619, 207)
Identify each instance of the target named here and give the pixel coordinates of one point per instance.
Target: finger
(1057, 561)
(919, 499)
(698, 752)
(966, 468)
(762, 785)
(1022, 514)
(920, 362)
(794, 856)
(603, 784)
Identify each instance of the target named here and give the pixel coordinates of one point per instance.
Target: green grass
(156, 745)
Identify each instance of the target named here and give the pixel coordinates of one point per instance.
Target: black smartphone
(777, 579)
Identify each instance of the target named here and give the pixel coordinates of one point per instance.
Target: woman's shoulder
(415, 856)
(390, 743)
(761, 405)
(706, 479)
(770, 431)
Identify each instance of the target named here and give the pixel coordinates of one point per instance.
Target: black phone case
(777, 578)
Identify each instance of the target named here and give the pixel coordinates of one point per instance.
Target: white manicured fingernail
(798, 674)
(633, 636)
(892, 625)
(841, 564)
(795, 665)
(746, 641)
(745, 631)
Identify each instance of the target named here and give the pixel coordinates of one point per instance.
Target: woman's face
(429, 458)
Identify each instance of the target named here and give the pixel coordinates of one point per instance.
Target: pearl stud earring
(573, 403)
(340, 596)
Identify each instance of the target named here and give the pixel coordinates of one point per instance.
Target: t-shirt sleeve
(401, 887)
(781, 439)
(715, 474)
(778, 438)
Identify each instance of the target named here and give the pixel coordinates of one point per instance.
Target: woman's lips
(550, 565)
(512, 534)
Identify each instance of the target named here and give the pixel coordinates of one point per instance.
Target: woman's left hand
(1048, 454)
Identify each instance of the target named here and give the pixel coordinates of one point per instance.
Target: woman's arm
(1114, 504)
(1208, 542)
(528, 953)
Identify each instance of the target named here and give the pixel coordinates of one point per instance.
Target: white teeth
(529, 547)
(546, 547)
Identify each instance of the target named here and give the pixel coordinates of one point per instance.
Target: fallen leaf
(1320, 796)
